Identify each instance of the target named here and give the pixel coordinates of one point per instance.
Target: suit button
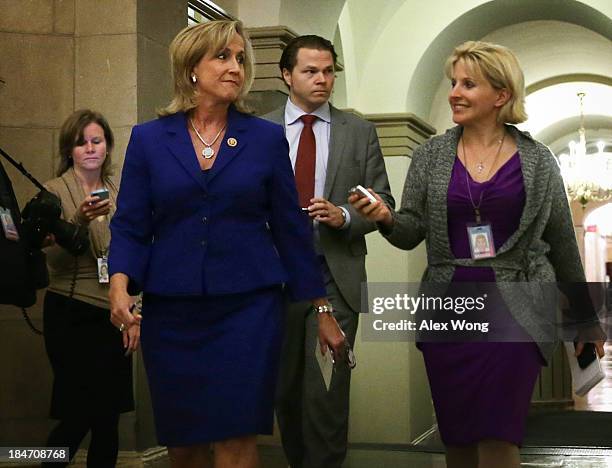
(204, 219)
(203, 243)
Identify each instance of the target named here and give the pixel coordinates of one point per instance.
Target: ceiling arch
(558, 134)
(602, 218)
(486, 18)
(568, 78)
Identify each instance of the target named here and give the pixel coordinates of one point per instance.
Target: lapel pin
(232, 142)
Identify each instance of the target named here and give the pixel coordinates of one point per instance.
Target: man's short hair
(289, 57)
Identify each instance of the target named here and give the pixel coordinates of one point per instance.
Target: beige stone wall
(57, 56)
(37, 64)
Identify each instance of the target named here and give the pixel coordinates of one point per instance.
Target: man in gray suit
(344, 152)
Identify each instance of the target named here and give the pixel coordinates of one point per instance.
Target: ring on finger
(122, 327)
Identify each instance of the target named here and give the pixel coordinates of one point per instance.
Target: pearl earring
(194, 78)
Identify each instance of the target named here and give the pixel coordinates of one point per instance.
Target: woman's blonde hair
(501, 68)
(188, 48)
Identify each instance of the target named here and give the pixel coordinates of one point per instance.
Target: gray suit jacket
(543, 249)
(354, 158)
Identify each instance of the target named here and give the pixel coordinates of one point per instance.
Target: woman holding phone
(92, 374)
(490, 203)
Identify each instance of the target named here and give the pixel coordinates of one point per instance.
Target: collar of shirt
(293, 113)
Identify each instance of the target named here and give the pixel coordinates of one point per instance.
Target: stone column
(37, 67)
(58, 56)
(399, 134)
(269, 90)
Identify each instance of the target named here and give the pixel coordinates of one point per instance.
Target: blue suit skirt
(212, 364)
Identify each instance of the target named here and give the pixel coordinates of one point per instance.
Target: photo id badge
(8, 225)
(481, 241)
(102, 270)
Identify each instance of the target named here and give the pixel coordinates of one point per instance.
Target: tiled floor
(599, 399)
(272, 457)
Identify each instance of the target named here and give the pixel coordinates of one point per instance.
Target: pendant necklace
(480, 166)
(207, 152)
(467, 181)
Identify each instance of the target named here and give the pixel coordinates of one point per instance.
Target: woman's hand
(121, 312)
(377, 211)
(131, 337)
(91, 208)
(330, 333)
(599, 346)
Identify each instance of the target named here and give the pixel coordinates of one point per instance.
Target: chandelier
(587, 176)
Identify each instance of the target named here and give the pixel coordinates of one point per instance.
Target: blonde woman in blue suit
(208, 225)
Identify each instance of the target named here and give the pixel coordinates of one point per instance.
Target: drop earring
(194, 78)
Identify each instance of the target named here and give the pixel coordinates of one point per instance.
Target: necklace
(480, 166)
(467, 181)
(207, 152)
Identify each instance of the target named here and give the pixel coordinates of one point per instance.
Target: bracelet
(323, 309)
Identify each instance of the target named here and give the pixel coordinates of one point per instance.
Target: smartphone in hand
(587, 356)
(361, 191)
(102, 194)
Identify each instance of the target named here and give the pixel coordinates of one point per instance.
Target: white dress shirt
(321, 128)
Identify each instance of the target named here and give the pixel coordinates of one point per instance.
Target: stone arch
(485, 19)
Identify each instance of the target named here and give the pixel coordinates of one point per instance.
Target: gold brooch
(232, 142)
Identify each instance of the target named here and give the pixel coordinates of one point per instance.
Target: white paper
(583, 380)
(326, 364)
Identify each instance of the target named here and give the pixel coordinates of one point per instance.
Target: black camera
(41, 216)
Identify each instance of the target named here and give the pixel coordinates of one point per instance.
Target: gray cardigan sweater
(543, 249)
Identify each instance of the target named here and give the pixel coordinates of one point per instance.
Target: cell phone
(362, 192)
(102, 194)
(587, 356)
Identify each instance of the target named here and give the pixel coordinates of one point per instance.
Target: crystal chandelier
(588, 177)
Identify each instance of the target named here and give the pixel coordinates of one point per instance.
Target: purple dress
(483, 390)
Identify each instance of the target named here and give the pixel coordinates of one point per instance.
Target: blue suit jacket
(179, 232)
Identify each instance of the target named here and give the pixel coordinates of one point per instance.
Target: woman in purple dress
(483, 184)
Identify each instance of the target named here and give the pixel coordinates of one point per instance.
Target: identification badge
(8, 225)
(103, 270)
(481, 241)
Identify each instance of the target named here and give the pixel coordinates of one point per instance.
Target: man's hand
(326, 212)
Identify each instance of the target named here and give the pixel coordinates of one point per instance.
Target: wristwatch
(343, 216)
(323, 309)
